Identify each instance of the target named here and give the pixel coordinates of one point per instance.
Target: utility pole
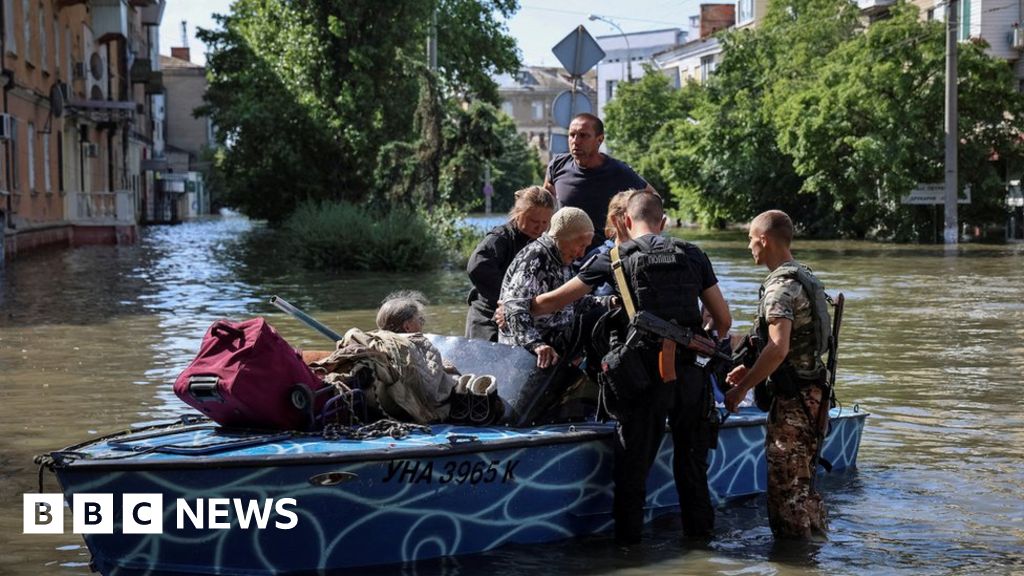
(950, 232)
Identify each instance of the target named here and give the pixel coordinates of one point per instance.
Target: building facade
(625, 56)
(189, 140)
(79, 78)
(528, 96)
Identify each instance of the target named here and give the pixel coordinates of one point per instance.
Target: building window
(43, 52)
(965, 20)
(26, 10)
(744, 11)
(31, 157)
(707, 68)
(538, 109)
(10, 40)
(14, 154)
(694, 21)
(60, 161)
(508, 108)
(70, 72)
(46, 164)
(56, 45)
(609, 89)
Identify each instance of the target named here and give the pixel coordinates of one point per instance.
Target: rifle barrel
(306, 319)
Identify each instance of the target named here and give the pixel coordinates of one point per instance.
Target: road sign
(565, 107)
(934, 193)
(578, 51)
(559, 143)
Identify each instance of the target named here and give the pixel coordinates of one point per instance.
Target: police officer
(793, 329)
(668, 278)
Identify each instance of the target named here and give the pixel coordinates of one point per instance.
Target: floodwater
(932, 345)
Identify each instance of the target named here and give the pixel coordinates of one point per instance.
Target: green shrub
(344, 236)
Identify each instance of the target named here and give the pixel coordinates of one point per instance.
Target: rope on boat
(379, 429)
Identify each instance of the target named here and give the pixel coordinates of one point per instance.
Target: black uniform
(666, 278)
(486, 269)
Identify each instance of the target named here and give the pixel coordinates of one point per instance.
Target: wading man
(656, 379)
(585, 178)
(793, 331)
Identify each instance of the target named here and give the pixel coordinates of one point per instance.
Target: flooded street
(932, 345)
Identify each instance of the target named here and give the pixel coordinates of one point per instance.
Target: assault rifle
(646, 322)
(828, 394)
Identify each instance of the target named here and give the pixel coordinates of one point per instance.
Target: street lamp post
(629, 63)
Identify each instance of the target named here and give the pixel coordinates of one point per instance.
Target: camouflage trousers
(795, 509)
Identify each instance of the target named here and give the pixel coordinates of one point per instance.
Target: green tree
(307, 94)
(833, 122)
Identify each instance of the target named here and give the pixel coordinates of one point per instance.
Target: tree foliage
(832, 121)
(310, 96)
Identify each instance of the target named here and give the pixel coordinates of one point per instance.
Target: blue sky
(537, 26)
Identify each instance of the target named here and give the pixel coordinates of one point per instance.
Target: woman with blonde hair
(529, 218)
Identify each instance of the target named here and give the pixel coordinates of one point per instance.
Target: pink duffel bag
(246, 375)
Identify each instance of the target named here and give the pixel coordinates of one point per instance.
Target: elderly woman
(528, 219)
(541, 267)
(401, 371)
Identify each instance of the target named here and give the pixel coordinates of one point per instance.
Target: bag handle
(222, 328)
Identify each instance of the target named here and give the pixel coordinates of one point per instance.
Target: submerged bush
(344, 236)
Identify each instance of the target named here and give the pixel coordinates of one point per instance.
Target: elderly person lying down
(402, 373)
(544, 265)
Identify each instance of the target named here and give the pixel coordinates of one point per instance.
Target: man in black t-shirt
(680, 390)
(587, 179)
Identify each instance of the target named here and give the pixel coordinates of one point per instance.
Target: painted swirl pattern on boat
(421, 497)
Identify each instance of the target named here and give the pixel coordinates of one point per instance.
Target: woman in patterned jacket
(546, 264)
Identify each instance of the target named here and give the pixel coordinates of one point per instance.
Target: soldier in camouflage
(793, 325)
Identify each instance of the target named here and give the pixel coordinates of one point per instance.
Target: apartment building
(527, 97)
(79, 79)
(625, 56)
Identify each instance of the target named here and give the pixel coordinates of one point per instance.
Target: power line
(585, 14)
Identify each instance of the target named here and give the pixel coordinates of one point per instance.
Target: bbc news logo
(144, 514)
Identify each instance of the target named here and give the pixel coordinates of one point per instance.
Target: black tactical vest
(663, 280)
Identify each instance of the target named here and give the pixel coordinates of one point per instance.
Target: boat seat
(528, 393)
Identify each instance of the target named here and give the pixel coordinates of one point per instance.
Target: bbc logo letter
(143, 513)
(93, 514)
(43, 514)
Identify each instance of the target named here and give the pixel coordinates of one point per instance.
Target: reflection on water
(933, 346)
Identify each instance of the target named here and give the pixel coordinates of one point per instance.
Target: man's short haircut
(400, 307)
(774, 223)
(646, 206)
(598, 124)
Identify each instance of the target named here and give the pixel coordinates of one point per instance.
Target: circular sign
(565, 107)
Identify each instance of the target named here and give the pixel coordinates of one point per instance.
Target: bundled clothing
(403, 375)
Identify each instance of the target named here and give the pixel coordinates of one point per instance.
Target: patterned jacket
(535, 270)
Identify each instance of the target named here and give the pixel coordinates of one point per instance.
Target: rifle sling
(620, 281)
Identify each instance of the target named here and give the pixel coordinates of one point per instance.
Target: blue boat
(334, 503)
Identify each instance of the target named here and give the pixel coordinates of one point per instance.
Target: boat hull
(456, 491)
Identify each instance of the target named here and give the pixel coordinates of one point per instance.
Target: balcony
(152, 11)
(103, 110)
(141, 69)
(116, 208)
(874, 7)
(110, 19)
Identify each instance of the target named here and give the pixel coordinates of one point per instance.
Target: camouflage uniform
(795, 509)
